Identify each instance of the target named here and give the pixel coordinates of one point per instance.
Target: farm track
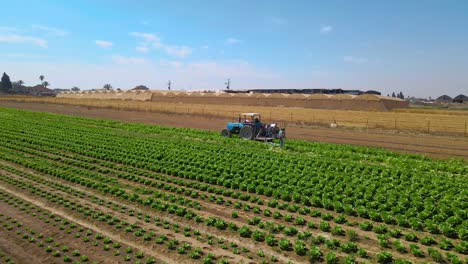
(430, 145)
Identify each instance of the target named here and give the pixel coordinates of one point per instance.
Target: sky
(418, 47)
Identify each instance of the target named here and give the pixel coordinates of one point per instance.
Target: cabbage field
(85, 190)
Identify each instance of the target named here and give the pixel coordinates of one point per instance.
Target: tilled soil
(431, 145)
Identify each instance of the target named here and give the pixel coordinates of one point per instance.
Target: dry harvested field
(421, 143)
(83, 190)
(442, 122)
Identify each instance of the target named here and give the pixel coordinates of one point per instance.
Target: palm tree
(107, 86)
(45, 84)
(20, 82)
(75, 89)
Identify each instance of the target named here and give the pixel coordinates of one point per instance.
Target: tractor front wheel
(225, 133)
(246, 132)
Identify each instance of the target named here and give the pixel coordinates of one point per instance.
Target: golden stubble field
(447, 122)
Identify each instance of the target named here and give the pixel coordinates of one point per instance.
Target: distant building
(460, 99)
(444, 98)
(41, 90)
(305, 91)
(372, 92)
(140, 88)
(59, 90)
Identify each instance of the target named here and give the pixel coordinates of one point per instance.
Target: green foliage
(366, 226)
(5, 84)
(315, 254)
(462, 247)
(284, 244)
(325, 226)
(384, 257)
(412, 237)
(435, 255)
(338, 231)
(300, 248)
(258, 236)
(331, 258)
(352, 235)
(245, 232)
(417, 252)
(349, 247)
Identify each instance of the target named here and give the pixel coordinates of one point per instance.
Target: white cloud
(152, 40)
(22, 39)
(142, 49)
(171, 63)
(326, 29)
(104, 44)
(147, 37)
(51, 30)
(232, 41)
(178, 51)
(353, 59)
(128, 60)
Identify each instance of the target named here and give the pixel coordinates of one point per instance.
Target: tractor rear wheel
(225, 133)
(246, 132)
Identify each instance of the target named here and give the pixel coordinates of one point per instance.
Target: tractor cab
(249, 117)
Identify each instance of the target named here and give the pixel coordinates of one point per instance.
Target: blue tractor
(250, 127)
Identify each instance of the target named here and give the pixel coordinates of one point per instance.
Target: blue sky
(417, 47)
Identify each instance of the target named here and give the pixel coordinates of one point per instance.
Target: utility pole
(228, 84)
(169, 85)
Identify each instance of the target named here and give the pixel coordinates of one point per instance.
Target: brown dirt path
(430, 145)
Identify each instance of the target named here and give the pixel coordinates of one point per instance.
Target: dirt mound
(316, 101)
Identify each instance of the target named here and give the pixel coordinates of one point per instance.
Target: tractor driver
(257, 124)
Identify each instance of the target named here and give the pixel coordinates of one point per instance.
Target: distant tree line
(19, 87)
(398, 95)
